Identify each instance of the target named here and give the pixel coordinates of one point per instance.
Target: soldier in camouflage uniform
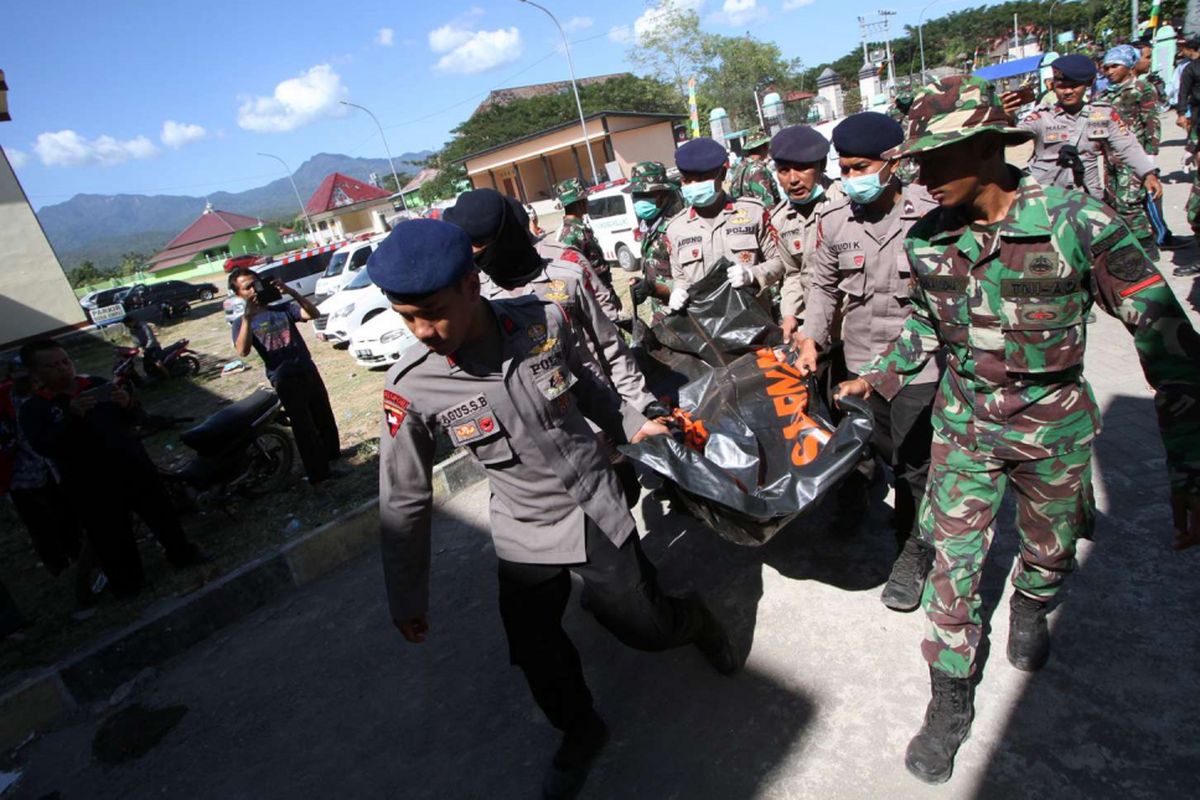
(1137, 104)
(906, 170)
(751, 177)
(575, 232)
(1094, 130)
(1004, 274)
(1152, 84)
(655, 201)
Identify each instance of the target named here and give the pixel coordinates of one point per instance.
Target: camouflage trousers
(1129, 201)
(1054, 509)
(1193, 202)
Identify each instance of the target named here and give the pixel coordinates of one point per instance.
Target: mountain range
(101, 228)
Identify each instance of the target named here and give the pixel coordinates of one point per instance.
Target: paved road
(319, 697)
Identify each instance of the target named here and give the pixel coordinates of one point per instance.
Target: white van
(610, 213)
(344, 265)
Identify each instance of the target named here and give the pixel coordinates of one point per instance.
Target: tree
(736, 66)
(388, 183)
(84, 274)
(672, 47)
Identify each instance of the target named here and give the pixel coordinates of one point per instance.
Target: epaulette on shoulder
(413, 355)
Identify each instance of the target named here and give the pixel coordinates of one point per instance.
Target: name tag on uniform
(1038, 287)
(469, 421)
(943, 283)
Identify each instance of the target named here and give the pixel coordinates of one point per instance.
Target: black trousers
(110, 528)
(622, 593)
(58, 540)
(306, 402)
(902, 438)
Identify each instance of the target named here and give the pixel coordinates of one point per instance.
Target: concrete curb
(94, 673)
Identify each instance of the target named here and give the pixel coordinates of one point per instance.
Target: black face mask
(510, 260)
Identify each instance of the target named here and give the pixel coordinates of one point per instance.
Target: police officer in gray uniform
(1092, 130)
(503, 380)
(799, 153)
(715, 227)
(860, 268)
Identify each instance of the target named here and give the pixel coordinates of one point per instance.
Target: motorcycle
(178, 359)
(240, 449)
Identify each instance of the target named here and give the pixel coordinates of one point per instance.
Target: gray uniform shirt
(1097, 131)
(516, 401)
(793, 245)
(740, 232)
(603, 350)
(866, 272)
(555, 250)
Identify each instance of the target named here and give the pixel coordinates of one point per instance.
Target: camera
(265, 292)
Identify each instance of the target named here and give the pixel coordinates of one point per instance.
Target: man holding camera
(84, 426)
(271, 330)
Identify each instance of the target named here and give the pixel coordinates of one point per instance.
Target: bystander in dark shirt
(276, 338)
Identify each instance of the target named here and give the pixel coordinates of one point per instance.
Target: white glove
(739, 276)
(679, 298)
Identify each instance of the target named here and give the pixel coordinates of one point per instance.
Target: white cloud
(792, 5)
(740, 12)
(385, 37)
(68, 149)
(466, 52)
(176, 134)
(652, 17)
(621, 34)
(578, 24)
(295, 103)
(17, 158)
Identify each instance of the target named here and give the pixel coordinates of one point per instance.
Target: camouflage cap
(757, 137)
(953, 109)
(570, 191)
(650, 176)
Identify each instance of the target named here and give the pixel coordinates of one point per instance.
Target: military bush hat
(1075, 67)
(867, 134)
(954, 109)
(1122, 54)
(650, 176)
(799, 144)
(570, 191)
(701, 155)
(419, 257)
(756, 138)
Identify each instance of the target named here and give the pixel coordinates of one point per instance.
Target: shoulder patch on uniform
(1129, 264)
(395, 409)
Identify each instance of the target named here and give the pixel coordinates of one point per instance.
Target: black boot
(931, 752)
(1028, 637)
(569, 769)
(904, 586)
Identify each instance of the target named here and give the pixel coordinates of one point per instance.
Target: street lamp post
(1052, 5)
(386, 149)
(574, 87)
(292, 180)
(921, 35)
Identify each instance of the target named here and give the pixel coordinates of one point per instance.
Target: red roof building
(214, 236)
(342, 207)
(338, 191)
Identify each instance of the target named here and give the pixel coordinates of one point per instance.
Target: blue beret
(1076, 67)
(700, 155)
(867, 134)
(421, 256)
(799, 144)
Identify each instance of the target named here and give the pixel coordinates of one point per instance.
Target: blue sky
(175, 98)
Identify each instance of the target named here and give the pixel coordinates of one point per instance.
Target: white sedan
(341, 315)
(380, 342)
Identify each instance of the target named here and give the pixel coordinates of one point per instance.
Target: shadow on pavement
(1114, 712)
(319, 696)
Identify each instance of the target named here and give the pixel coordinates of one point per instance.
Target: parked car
(341, 315)
(102, 299)
(300, 269)
(343, 266)
(166, 292)
(610, 213)
(381, 341)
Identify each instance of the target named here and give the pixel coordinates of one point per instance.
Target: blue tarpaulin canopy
(1009, 68)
